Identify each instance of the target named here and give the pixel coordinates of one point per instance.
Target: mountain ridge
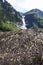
(34, 11)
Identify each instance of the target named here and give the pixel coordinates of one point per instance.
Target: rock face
(24, 47)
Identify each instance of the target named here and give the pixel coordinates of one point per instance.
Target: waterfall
(3, 0)
(24, 24)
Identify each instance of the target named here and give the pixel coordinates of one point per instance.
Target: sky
(26, 5)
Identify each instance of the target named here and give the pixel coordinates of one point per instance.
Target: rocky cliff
(24, 47)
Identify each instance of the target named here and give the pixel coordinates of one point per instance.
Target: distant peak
(36, 11)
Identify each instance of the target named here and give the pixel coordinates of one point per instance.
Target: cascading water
(24, 25)
(3, 0)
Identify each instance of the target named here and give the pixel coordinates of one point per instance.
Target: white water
(24, 24)
(3, 0)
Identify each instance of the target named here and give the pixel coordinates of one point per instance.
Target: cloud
(25, 5)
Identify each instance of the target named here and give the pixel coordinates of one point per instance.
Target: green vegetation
(8, 26)
(8, 17)
(37, 28)
(41, 22)
(34, 18)
(5, 21)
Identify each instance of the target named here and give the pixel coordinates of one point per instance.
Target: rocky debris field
(24, 47)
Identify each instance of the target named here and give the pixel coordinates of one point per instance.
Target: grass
(41, 29)
(8, 26)
(37, 28)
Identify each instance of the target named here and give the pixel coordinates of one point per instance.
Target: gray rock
(24, 47)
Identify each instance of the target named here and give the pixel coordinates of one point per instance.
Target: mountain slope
(35, 11)
(8, 15)
(10, 11)
(34, 18)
